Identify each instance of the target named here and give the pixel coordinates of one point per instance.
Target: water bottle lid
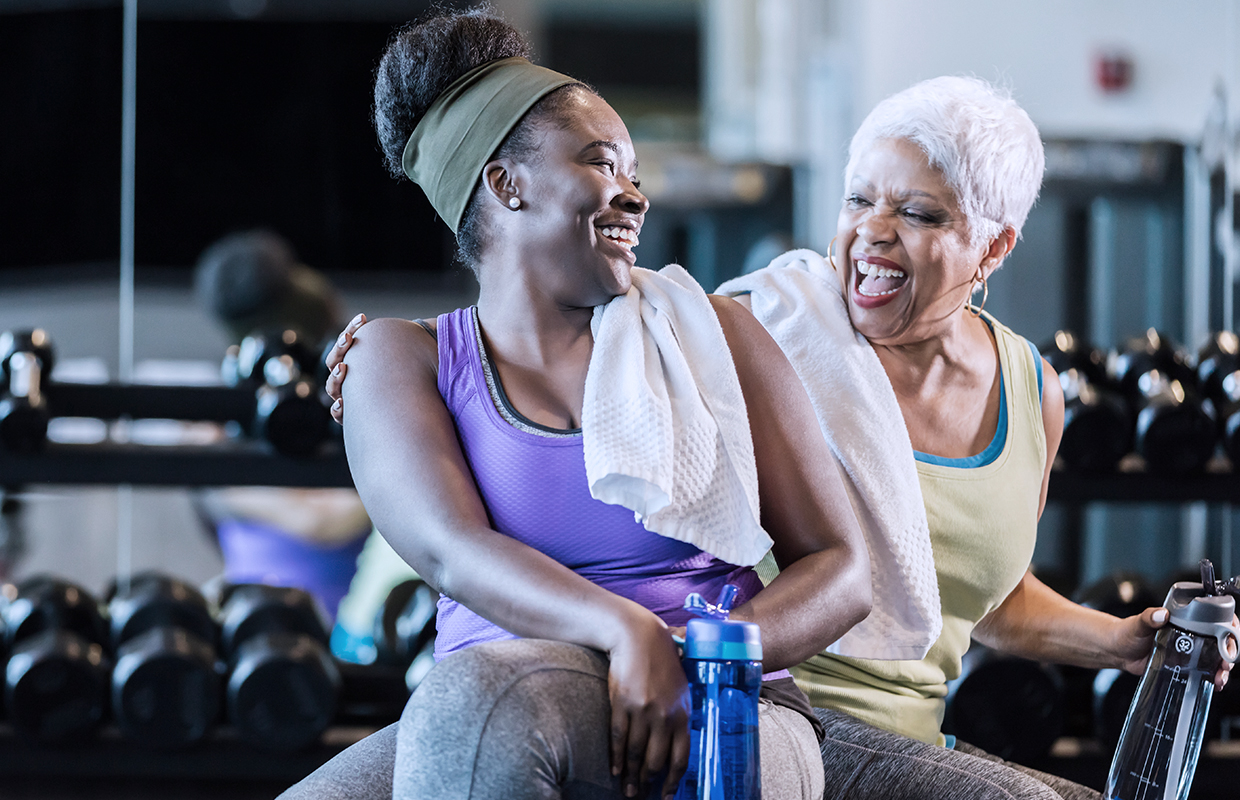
(1190, 608)
(1187, 602)
(723, 640)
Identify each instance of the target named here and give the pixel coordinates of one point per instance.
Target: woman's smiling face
(904, 252)
(582, 203)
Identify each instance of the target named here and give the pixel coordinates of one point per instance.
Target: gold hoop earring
(985, 294)
(830, 259)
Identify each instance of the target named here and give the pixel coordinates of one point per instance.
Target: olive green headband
(465, 125)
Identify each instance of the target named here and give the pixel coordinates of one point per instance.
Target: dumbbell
(1107, 693)
(1218, 378)
(1120, 594)
(282, 682)
(166, 684)
(1174, 433)
(1097, 427)
(1008, 706)
(26, 360)
(56, 679)
(1113, 690)
(405, 629)
(282, 369)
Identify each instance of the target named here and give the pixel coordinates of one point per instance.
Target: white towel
(664, 424)
(798, 299)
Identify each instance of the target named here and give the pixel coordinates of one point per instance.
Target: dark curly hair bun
(423, 58)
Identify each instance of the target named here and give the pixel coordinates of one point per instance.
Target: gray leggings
(867, 763)
(526, 719)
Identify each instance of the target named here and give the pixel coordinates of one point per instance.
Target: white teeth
(621, 235)
(866, 268)
(864, 293)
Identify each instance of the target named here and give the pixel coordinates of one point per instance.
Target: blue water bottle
(723, 662)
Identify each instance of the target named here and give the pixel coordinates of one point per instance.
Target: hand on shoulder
(391, 342)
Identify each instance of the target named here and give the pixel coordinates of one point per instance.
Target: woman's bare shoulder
(391, 342)
(736, 317)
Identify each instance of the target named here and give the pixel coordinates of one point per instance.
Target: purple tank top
(533, 483)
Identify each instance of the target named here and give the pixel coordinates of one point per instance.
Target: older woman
(939, 182)
(467, 440)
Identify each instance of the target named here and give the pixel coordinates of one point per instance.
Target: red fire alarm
(1113, 71)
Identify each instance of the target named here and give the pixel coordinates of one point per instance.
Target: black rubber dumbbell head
(56, 686)
(153, 600)
(1008, 706)
(1120, 594)
(166, 688)
(1066, 351)
(1113, 693)
(249, 609)
(282, 690)
(45, 603)
(25, 364)
(293, 418)
(166, 684)
(36, 342)
(405, 622)
(282, 684)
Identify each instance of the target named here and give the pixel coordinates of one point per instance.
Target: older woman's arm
(1036, 622)
(823, 588)
(416, 484)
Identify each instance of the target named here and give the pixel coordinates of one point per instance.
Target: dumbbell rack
(1132, 482)
(231, 462)
(239, 463)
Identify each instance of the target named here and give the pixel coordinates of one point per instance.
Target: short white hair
(976, 135)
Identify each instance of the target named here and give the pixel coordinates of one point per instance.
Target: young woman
(464, 439)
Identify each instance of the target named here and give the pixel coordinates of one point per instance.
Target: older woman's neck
(962, 344)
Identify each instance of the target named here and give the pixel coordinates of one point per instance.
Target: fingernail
(336, 406)
(356, 319)
(336, 369)
(630, 790)
(344, 337)
(1160, 615)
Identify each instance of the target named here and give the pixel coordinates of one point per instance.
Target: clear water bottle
(1158, 749)
(723, 662)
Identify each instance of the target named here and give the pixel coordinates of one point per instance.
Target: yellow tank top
(983, 516)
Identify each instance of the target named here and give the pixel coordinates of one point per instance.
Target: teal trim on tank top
(995, 447)
(983, 458)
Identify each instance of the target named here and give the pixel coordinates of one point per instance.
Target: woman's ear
(501, 183)
(998, 250)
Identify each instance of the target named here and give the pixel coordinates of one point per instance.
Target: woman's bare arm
(1037, 622)
(418, 489)
(823, 588)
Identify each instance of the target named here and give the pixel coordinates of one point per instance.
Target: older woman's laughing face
(905, 256)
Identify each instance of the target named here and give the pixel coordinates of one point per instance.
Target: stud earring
(514, 203)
